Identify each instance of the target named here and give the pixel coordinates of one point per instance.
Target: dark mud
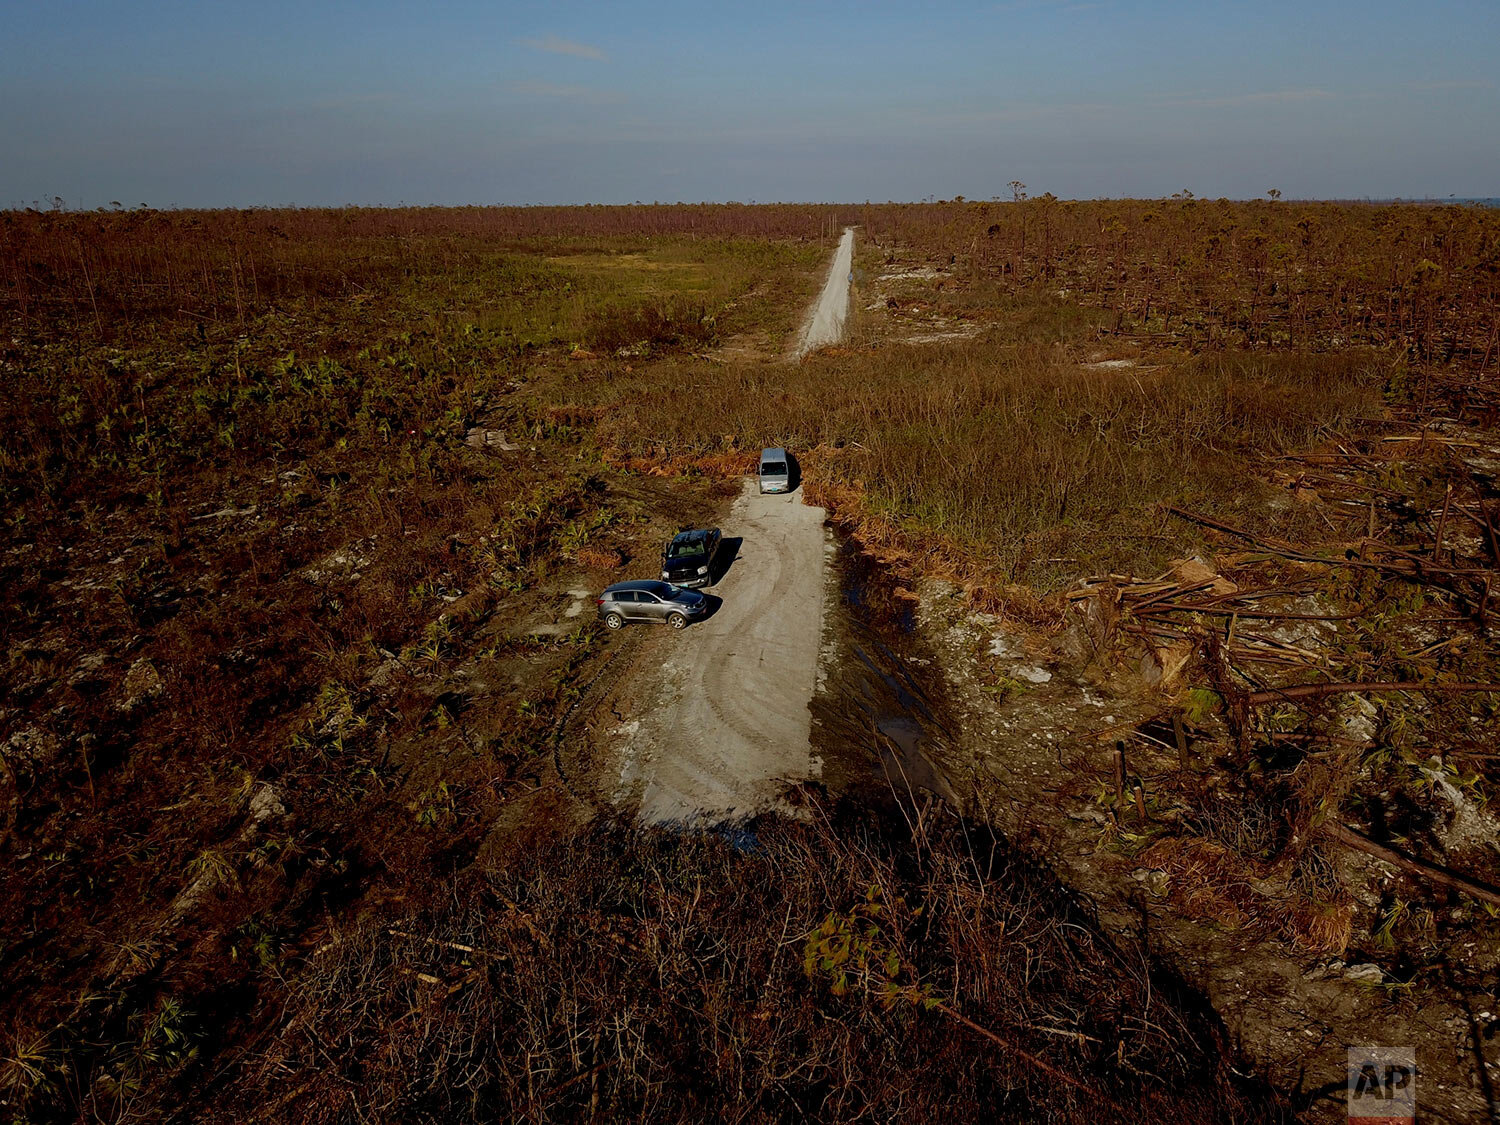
(880, 717)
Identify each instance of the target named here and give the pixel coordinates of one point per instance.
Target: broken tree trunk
(1410, 864)
(1317, 691)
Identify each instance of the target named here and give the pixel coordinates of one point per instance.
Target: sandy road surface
(721, 727)
(717, 734)
(825, 325)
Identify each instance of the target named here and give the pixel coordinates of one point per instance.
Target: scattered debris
(1197, 573)
(230, 512)
(1032, 674)
(1471, 825)
(343, 565)
(141, 683)
(265, 804)
(480, 438)
(87, 666)
(1359, 720)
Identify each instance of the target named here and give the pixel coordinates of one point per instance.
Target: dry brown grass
(1011, 463)
(322, 367)
(669, 977)
(1213, 883)
(257, 555)
(1214, 274)
(600, 558)
(115, 273)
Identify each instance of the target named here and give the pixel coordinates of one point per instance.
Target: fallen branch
(1410, 864)
(1285, 549)
(1406, 566)
(589, 1073)
(1317, 691)
(1174, 591)
(1437, 540)
(446, 944)
(1006, 1044)
(1230, 611)
(1420, 564)
(1484, 518)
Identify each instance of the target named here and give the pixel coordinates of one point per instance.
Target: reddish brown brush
(1213, 273)
(118, 268)
(1211, 882)
(669, 977)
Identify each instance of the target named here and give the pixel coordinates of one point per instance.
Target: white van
(775, 471)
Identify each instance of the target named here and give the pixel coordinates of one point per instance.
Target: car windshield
(688, 549)
(773, 468)
(664, 589)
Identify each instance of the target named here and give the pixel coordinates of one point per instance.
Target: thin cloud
(1006, 115)
(1454, 84)
(1260, 97)
(564, 91)
(555, 45)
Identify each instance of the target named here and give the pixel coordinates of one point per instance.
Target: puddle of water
(739, 837)
(889, 668)
(866, 590)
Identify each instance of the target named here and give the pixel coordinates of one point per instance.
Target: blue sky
(205, 104)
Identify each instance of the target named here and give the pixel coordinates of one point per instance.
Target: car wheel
(613, 621)
(677, 621)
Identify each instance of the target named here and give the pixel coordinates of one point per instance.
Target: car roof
(773, 454)
(652, 584)
(693, 534)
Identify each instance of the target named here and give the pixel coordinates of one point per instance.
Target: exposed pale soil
(898, 308)
(718, 724)
(712, 724)
(825, 323)
(1035, 760)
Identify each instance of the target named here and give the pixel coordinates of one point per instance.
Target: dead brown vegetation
(268, 686)
(821, 973)
(122, 271)
(1010, 464)
(1301, 276)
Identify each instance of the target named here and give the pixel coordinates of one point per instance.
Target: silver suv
(650, 601)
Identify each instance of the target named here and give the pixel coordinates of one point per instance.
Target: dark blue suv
(689, 558)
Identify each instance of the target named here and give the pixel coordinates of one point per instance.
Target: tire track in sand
(725, 726)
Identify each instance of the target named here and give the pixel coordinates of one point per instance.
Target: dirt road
(719, 731)
(825, 324)
(716, 731)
